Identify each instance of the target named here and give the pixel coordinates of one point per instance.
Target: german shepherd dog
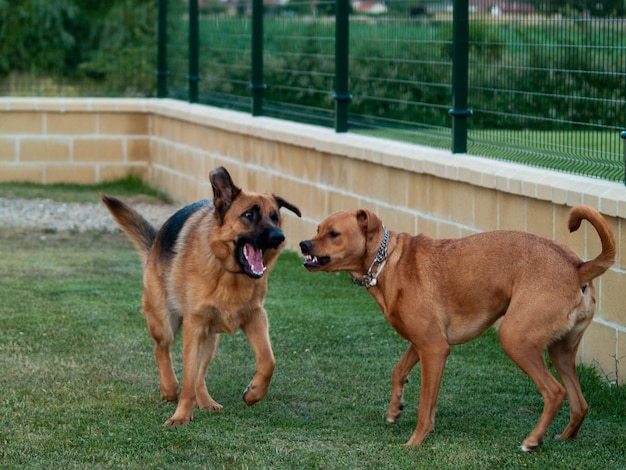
(207, 269)
(437, 293)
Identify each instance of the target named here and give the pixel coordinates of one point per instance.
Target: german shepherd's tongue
(254, 256)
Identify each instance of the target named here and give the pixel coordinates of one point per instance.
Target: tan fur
(437, 293)
(199, 282)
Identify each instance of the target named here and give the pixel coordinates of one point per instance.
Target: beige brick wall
(50, 140)
(415, 189)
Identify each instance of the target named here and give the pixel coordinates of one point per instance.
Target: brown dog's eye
(333, 234)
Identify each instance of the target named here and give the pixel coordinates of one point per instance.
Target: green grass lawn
(68, 192)
(79, 385)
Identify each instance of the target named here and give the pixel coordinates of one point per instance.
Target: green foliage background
(111, 44)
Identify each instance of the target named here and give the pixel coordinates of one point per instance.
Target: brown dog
(205, 268)
(437, 293)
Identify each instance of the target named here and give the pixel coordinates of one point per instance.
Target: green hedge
(107, 47)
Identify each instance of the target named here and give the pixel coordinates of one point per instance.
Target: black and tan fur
(204, 270)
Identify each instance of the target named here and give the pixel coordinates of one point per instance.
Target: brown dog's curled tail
(138, 229)
(595, 267)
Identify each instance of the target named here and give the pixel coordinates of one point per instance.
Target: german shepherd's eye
(275, 217)
(251, 214)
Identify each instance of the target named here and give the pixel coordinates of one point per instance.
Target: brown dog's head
(343, 242)
(248, 232)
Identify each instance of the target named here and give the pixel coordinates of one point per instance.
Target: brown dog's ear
(224, 190)
(287, 205)
(369, 223)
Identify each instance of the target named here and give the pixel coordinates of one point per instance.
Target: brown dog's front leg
(257, 332)
(399, 377)
(433, 363)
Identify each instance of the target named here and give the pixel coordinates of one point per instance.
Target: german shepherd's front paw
(178, 421)
(169, 394)
(208, 404)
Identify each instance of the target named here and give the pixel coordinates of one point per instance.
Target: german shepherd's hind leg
(205, 402)
(399, 377)
(163, 329)
(168, 383)
(257, 332)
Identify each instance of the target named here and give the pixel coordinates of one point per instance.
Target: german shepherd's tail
(138, 229)
(595, 267)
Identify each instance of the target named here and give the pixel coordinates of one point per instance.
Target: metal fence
(541, 83)
(542, 87)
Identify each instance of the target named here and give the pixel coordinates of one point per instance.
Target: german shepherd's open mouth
(250, 259)
(251, 249)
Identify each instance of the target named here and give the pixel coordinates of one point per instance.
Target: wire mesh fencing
(549, 91)
(546, 83)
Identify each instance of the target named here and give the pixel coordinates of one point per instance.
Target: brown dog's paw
(393, 415)
(392, 418)
(252, 394)
(248, 395)
(529, 446)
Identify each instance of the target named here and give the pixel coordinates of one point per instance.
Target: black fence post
(623, 136)
(161, 72)
(342, 39)
(460, 72)
(256, 82)
(194, 51)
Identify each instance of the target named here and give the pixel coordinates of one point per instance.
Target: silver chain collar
(369, 279)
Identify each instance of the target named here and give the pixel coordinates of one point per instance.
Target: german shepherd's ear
(287, 205)
(369, 223)
(224, 190)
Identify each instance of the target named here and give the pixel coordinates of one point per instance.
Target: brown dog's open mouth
(313, 262)
(251, 260)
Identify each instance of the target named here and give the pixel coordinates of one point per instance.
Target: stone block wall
(415, 189)
(71, 140)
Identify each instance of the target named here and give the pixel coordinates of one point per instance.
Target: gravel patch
(46, 214)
